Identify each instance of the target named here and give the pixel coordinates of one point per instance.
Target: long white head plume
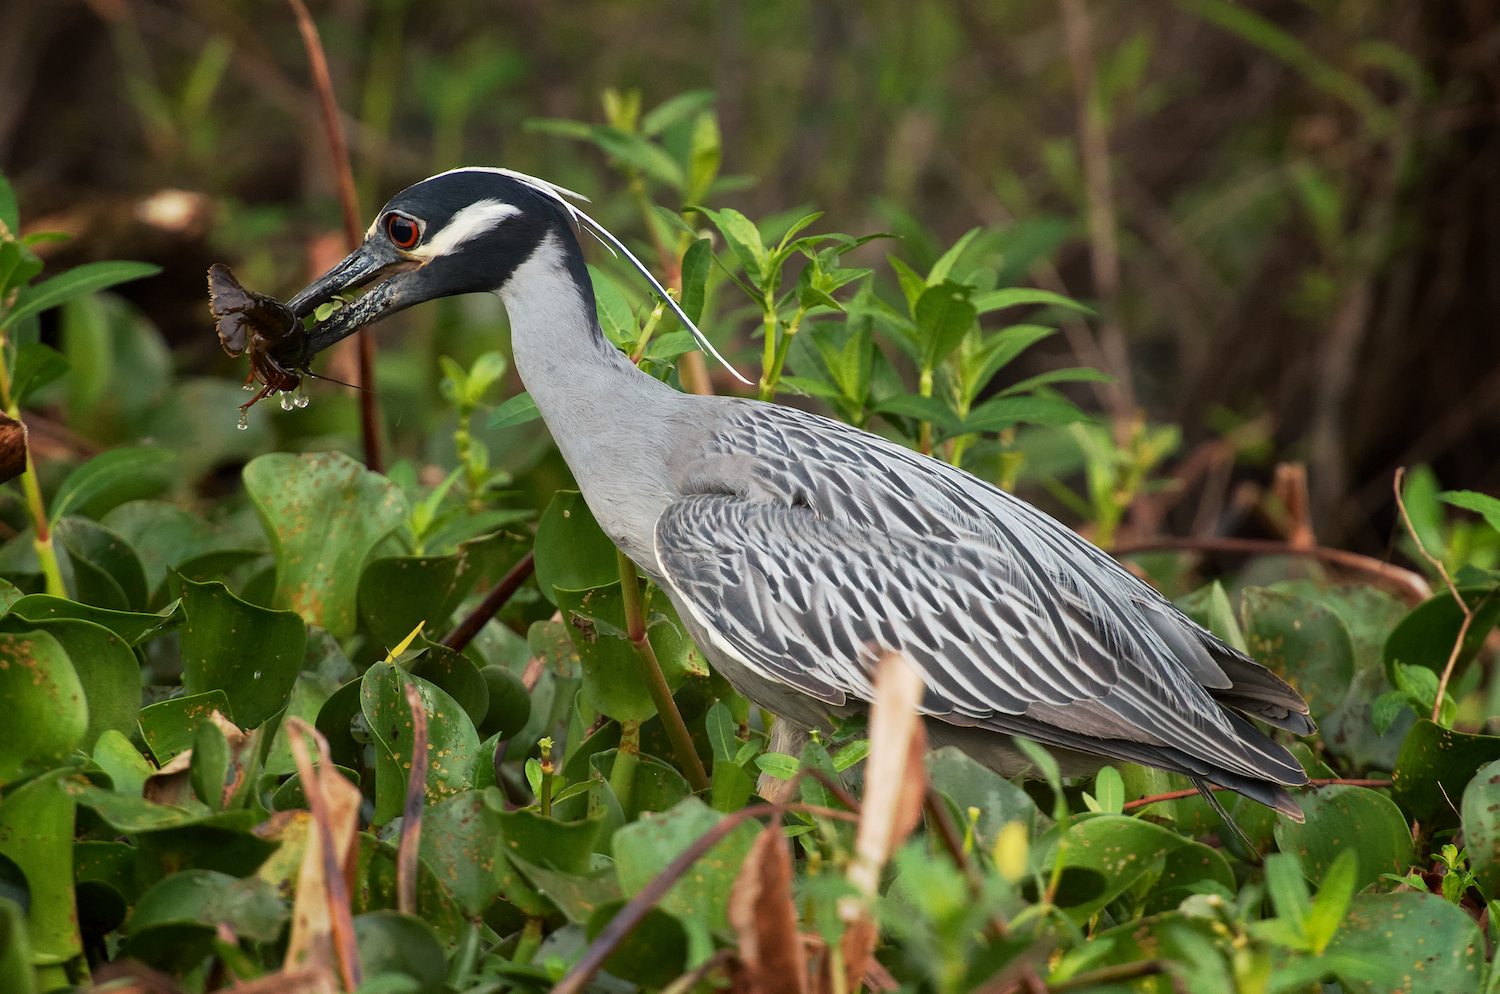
(560, 196)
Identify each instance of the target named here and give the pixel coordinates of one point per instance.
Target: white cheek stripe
(469, 223)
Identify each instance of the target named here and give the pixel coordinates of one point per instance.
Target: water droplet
(301, 400)
(248, 386)
(286, 401)
(244, 419)
(257, 674)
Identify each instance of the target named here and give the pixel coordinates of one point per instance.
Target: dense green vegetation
(260, 727)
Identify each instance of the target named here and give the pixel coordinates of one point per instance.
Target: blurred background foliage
(1286, 212)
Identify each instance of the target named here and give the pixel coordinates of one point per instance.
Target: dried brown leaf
(764, 918)
(895, 777)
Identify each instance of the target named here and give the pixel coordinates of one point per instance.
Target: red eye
(402, 230)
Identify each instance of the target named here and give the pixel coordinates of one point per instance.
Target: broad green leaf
(705, 156)
(166, 537)
(16, 972)
(656, 786)
(462, 841)
(457, 676)
(376, 870)
(36, 833)
(635, 151)
(1209, 606)
(696, 263)
(1481, 825)
(1303, 642)
(87, 278)
(612, 681)
(1339, 817)
(106, 570)
(397, 593)
(941, 268)
(324, 513)
(36, 366)
(1368, 612)
(333, 722)
(1007, 412)
(616, 313)
(1079, 374)
(390, 942)
(129, 814)
(778, 764)
(744, 240)
(1434, 767)
(115, 470)
(1409, 935)
(251, 653)
(678, 108)
(168, 726)
(699, 898)
(1185, 872)
(119, 757)
(135, 628)
(911, 282)
(995, 300)
(652, 955)
(518, 410)
(731, 786)
(174, 923)
(1287, 888)
(930, 409)
(43, 701)
(572, 551)
(723, 732)
(944, 315)
(971, 785)
(566, 846)
(1109, 791)
(509, 703)
(1483, 504)
(210, 764)
(452, 743)
(1426, 635)
(105, 667)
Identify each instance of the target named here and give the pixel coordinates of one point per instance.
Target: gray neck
(609, 419)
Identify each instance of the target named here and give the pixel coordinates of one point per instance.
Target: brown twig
(416, 794)
(631, 915)
(338, 148)
(1437, 564)
(1177, 795)
(1411, 586)
(692, 978)
(464, 633)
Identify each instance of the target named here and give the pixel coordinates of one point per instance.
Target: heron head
(464, 231)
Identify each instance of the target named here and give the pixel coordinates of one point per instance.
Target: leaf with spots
(323, 512)
(252, 654)
(1339, 817)
(36, 833)
(41, 694)
(168, 726)
(1302, 641)
(1433, 768)
(396, 593)
(461, 843)
(452, 742)
(1412, 942)
(1481, 820)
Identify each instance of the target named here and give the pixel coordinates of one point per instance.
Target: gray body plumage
(797, 549)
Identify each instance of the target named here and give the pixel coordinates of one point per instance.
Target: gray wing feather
(834, 545)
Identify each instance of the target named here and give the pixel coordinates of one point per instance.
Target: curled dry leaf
(322, 936)
(764, 918)
(895, 778)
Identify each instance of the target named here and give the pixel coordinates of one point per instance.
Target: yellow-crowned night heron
(797, 549)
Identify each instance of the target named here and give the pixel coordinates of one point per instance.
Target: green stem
(768, 356)
(627, 758)
(46, 548)
(646, 332)
(531, 941)
(924, 433)
(661, 694)
(782, 348)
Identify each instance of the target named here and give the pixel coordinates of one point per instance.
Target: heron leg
(1235, 830)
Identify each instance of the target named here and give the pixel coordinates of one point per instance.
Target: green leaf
(1481, 825)
(1078, 374)
(1303, 642)
(1007, 412)
(106, 570)
(166, 537)
(396, 593)
(36, 366)
(578, 896)
(555, 126)
(324, 513)
(518, 410)
(390, 942)
(10, 213)
(743, 238)
(633, 150)
(1426, 635)
(930, 409)
(174, 923)
(452, 743)
(210, 765)
(1000, 349)
(1483, 504)
(1341, 817)
(656, 786)
(678, 108)
(1332, 903)
(572, 551)
(723, 732)
(462, 841)
(612, 682)
(1109, 791)
(90, 277)
(944, 315)
(16, 973)
(941, 268)
(134, 628)
(1433, 768)
(119, 757)
(731, 786)
(696, 263)
(705, 156)
(971, 785)
(851, 754)
(290, 795)
(1410, 935)
(36, 833)
(911, 282)
(107, 472)
(252, 654)
(995, 300)
(699, 898)
(106, 669)
(616, 313)
(778, 764)
(510, 704)
(457, 676)
(1287, 887)
(652, 955)
(40, 694)
(169, 726)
